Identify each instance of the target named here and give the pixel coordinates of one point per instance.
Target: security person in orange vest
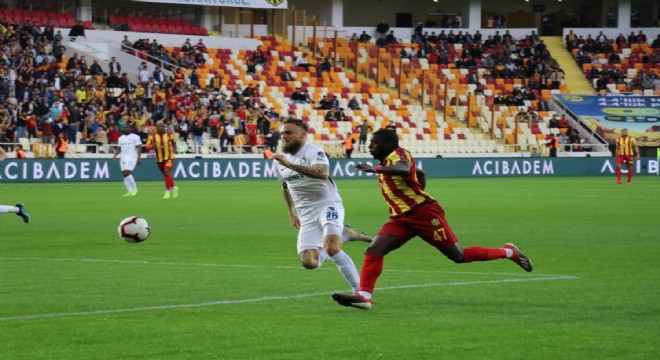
(20, 154)
(553, 144)
(179, 77)
(60, 146)
(348, 145)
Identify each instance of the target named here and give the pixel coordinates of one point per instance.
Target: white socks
(344, 237)
(8, 209)
(323, 257)
(129, 182)
(509, 253)
(347, 268)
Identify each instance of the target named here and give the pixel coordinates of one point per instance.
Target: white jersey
(308, 192)
(128, 144)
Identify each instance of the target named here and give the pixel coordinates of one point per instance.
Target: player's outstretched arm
(316, 171)
(398, 168)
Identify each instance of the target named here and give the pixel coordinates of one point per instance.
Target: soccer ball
(134, 229)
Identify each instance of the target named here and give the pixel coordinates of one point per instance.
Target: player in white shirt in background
(18, 209)
(130, 150)
(314, 204)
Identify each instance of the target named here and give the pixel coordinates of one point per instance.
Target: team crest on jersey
(435, 222)
(275, 2)
(320, 155)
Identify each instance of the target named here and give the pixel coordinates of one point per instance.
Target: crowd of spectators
(90, 103)
(606, 63)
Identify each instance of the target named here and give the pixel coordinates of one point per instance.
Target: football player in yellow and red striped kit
(163, 145)
(626, 152)
(413, 213)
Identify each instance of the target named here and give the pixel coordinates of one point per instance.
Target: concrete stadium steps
(573, 76)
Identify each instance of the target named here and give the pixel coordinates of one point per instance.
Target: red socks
(371, 270)
(169, 181)
(477, 253)
(618, 173)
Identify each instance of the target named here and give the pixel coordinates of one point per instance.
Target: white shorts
(318, 222)
(127, 164)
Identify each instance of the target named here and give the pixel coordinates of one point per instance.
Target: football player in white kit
(130, 151)
(313, 202)
(18, 209)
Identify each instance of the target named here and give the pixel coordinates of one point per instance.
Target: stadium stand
(445, 93)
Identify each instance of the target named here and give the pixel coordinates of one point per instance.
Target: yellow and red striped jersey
(625, 146)
(163, 146)
(401, 192)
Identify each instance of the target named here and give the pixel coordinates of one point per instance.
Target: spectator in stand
(113, 134)
(381, 29)
(641, 37)
(390, 38)
(325, 66)
(47, 133)
(95, 69)
(574, 140)
(564, 124)
(552, 144)
(126, 45)
(620, 41)
(194, 79)
(364, 37)
(158, 76)
(200, 59)
(534, 153)
(656, 43)
(114, 66)
(200, 46)
(335, 114)
(298, 97)
(186, 46)
(614, 58)
(303, 62)
(363, 133)
(258, 56)
(324, 103)
(187, 61)
(353, 104)
(78, 29)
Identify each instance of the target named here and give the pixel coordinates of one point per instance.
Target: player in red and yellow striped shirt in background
(163, 145)
(413, 213)
(626, 152)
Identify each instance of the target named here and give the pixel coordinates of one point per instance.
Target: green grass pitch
(219, 277)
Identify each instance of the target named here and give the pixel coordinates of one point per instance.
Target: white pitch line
(264, 298)
(251, 266)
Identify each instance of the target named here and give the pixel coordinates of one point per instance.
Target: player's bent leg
(22, 213)
(518, 257)
(309, 259)
(332, 244)
(372, 267)
(383, 245)
(350, 234)
(453, 252)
